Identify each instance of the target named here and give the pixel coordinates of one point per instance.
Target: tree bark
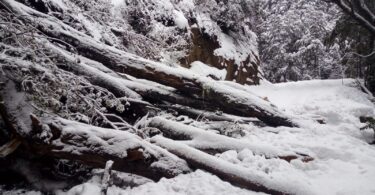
(189, 84)
(64, 139)
(212, 116)
(364, 20)
(215, 143)
(60, 138)
(232, 173)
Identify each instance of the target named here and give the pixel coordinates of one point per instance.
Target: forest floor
(343, 158)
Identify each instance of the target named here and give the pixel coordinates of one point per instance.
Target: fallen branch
(223, 97)
(9, 147)
(106, 176)
(212, 116)
(64, 139)
(238, 176)
(215, 143)
(95, 146)
(118, 84)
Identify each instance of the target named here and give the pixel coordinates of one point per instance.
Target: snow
(180, 185)
(334, 100)
(229, 50)
(84, 189)
(113, 142)
(202, 139)
(189, 184)
(60, 4)
(343, 161)
(20, 192)
(180, 20)
(206, 70)
(118, 2)
(16, 100)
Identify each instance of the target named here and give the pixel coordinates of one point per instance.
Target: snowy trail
(343, 160)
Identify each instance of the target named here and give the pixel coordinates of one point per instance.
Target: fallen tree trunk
(216, 143)
(242, 177)
(94, 146)
(205, 140)
(224, 97)
(212, 116)
(100, 75)
(61, 138)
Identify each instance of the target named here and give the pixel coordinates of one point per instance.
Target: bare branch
(364, 7)
(359, 18)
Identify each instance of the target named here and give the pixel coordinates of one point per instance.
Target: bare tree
(360, 11)
(363, 11)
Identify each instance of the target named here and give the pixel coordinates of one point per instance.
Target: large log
(209, 115)
(216, 143)
(227, 98)
(60, 138)
(236, 175)
(94, 146)
(120, 85)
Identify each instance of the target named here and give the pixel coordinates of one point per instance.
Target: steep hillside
(151, 97)
(177, 33)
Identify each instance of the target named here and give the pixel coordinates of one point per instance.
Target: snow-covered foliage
(343, 161)
(162, 30)
(77, 77)
(293, 40)
(51, 88)
(166, 32)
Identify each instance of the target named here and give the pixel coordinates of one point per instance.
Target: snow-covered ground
(344, 162)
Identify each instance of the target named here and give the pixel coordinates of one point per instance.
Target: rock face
(202, 48)
(215, 32)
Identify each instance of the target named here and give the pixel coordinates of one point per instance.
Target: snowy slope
(343, 160)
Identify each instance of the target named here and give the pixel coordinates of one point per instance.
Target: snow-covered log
(212, 116)
(121, 85)
(97, 76)
(65, 139)
(242, 177)
(91, 145)
(229, 99)
(215, 143)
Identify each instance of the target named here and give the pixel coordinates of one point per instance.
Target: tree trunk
(370, 78)
(232, 173)
(60, 138)
(226, 98)
(215, 143)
